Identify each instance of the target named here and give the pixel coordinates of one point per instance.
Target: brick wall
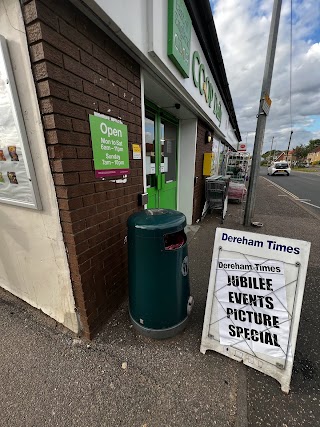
(199, 187)
(78, 70)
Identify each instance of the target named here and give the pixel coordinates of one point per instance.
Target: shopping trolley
(216, 188)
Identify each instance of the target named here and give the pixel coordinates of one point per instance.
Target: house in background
(314, 156)
(287, 156)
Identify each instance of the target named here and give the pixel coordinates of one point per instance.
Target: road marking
(310, 204)
(296, 198)
(280, 188)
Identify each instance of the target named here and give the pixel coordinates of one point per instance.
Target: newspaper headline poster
(254, 300)
(253, 308)
(17, 179)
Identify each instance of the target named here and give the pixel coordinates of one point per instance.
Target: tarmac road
(304, 186)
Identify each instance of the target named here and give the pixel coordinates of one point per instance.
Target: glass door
(161, 160)
(168, 167)
(151, 160)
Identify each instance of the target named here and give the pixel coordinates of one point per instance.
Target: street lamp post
(247, 133)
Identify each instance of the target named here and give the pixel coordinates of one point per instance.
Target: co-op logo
(203, 82)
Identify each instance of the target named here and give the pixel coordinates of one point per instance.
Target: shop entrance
(161, 133)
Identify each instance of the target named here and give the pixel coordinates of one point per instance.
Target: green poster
(110, 147)
(179, 35)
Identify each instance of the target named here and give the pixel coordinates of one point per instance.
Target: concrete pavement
(50, 378)
(267, 406)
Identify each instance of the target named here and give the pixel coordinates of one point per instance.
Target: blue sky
(243, 30)
(315, 126)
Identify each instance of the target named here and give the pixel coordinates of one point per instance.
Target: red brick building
(87, 59)
(287, 156)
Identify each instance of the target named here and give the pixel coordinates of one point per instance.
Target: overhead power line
(290, 67)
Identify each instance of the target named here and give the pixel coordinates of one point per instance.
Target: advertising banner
(18, 184)
(216, 157)
(110, 147)
(254, 300)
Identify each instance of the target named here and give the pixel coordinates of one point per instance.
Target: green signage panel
(202, 81)
(179, 35)
(110, 147)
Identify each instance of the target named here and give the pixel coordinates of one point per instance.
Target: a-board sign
(110, 147)
(254, 300)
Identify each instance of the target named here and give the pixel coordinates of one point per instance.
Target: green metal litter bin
(159, 290)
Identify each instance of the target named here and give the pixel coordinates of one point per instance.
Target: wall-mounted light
(176, 106)
(208, 138)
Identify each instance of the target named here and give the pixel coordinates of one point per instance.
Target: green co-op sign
(110, 147)
(179, 35)
(203, 82)
(179, 46)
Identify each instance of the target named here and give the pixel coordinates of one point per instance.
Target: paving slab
(48, 377)
(266, 404)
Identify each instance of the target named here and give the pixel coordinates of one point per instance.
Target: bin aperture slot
(174, 241)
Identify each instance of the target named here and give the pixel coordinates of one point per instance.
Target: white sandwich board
(254, 300)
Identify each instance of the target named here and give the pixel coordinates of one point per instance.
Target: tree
(313, 143)
(301, 152)
(266, 155)
(269, 156)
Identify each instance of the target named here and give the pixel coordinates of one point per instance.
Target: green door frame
(161, 185)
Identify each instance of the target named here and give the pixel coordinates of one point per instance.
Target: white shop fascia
(146, 37)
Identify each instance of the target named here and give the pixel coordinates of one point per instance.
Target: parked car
(277, 168)
(298, 164)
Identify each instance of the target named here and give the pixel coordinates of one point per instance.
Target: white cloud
(314, 52)
(243, 29)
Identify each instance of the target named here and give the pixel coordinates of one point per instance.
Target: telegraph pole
(274, 151)
(271, 149)
(289, 144)
(264, 107)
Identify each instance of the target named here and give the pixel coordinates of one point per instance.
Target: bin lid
(218, 178)
(213, 177)
(157, 221)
